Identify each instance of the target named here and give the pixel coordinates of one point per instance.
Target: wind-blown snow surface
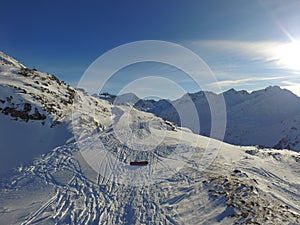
(268, 117)
(242, 185)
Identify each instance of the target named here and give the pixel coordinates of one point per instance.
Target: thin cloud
(243, 47)
(230, 51)
(246, 81)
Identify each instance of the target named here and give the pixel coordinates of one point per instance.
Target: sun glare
(289, 55)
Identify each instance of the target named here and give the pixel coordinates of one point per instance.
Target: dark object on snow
(140, 163)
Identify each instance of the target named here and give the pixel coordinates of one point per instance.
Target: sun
(289, 55)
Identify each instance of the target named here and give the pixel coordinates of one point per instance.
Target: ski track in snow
(182, 199)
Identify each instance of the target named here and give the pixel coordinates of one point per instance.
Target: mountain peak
(233, 91)
(127, 98)
(273, 88)
(6, 59)
(268, 89)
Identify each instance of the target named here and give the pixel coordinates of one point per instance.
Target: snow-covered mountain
(190, 179)
(268, 117)
(32, 104)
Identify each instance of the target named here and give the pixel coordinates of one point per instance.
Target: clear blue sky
(240, 40)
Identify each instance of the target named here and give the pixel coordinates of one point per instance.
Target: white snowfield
(190, 179)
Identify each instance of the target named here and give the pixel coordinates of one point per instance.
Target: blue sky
(247, 44)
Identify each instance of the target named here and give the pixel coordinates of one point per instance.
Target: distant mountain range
(268, 117)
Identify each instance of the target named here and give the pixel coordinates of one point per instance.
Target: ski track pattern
(82, 201)
(189, 197)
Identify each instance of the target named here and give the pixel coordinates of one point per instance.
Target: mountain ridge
(250, 116)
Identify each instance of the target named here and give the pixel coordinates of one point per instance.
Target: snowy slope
(8, 60)
(190, 179)
(290, 133)
(268, 117)
(243, 185)
(33, 109)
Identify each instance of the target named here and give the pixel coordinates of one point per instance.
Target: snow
(190, 179)
(25, 134)
(22, 142)
(6, 59)
(237, 187)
